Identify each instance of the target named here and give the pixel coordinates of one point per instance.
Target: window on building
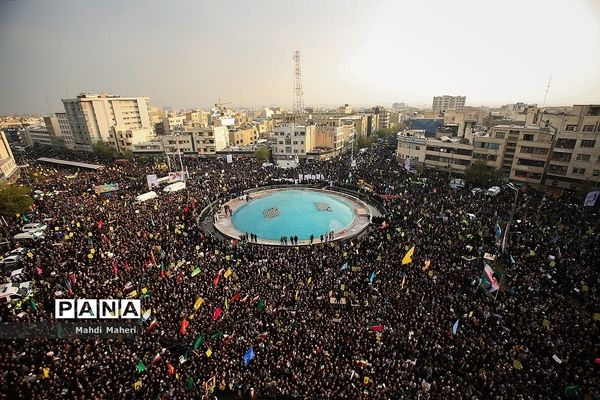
(587, 143)
(527, 174)
(566, 143)
(583, 157)
(596, 172)
(500, 135)
(295, 142)
(557, 156)
(571, 128)
(534, 150)
(485, 145)
(558, 169)
(530, 163)
(588, 128)
(579, 171)
(528, 136)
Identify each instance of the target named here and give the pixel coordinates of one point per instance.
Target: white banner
(229, 158)
(590, 199)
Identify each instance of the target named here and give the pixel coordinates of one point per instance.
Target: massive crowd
(538, 338)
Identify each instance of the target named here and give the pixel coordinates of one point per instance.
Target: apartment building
(205, 139)
(448, 154)
(92, 116)
(59, 130)
(8, 166)
(173, 123)
(444, 103)
(293, 140)
(124, 140)
(39, 135)
(198, 117)
(411, 145)
(575, 156)
(243, 137)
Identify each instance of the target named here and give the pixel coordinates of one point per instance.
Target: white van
(146, 196)
(174, 187)
(11, 292)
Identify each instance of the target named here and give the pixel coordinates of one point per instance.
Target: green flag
(190, 384)
(198, 341)
(33, 304)
(216, 335)
(59, 332)
(196, 271)
(145, 295)
(140, 366)
(261, 305)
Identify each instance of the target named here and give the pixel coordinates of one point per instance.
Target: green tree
(385, 132)
(127, 154)
(14, 199)
(103, 150)
(364, 141)
(262, 153)
(479, 174)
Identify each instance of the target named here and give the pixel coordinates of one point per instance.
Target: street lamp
(512, 214)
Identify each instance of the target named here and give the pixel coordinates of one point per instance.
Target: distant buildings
(555, 150)
(444, 103)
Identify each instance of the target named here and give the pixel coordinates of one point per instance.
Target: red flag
(100, 224)
(236, 297)
(39, 270)
(377, 328)
(170, 369)
(179, 278)
(115, 268)
(146, 265)
(153, 259)
(217, 313)
(105, 238)
(184, 325)
(216, 279)
(72, 277)
(127, 266)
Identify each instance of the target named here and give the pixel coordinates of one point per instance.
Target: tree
(103, 150)
(262, 153)
(479, 174)
(364, 141)
(127, 154)
(14, 199)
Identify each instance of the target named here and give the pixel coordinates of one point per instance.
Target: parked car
(493, 191)
(15, 275)
(476, 190)
(19, 251)
(34, 227)
(12, 292)
(10, 261)
(30, 235)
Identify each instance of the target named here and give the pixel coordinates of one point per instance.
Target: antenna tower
(547, 88)
(298, 95)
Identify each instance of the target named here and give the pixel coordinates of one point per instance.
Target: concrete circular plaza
(293, 211)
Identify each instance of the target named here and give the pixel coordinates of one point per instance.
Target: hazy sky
(190, 53)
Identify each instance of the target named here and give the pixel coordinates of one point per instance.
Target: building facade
(293, 140)
(92, 116)
(8, 166)
(444, 103)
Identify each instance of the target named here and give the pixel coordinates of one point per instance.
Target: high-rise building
(445, 103)
(92, 116)
(293, 140)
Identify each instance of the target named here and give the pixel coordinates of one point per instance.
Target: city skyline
(192, 54)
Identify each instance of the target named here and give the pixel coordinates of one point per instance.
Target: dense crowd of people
(425, 329)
